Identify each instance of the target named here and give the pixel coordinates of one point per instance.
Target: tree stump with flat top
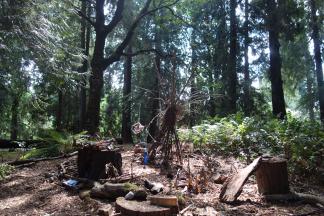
(92, 162)
(272, 176)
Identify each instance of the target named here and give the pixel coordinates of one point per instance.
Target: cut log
(92, 162)
(166, 201)
(272, 176)
(136, 208)
(232, 187)
(112, 191)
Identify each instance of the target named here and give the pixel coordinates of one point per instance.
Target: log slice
(136, 208)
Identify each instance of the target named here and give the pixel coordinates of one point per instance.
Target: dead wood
(20, 162)
(25, 165)
(144, 208)
(307, 198)
(113, 191)
(232, 188)
(166, 201)
(272, 176)
(98, 164)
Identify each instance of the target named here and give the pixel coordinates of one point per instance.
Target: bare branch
(158, 52)
(144, 12)
(84, 16)
(116, 18)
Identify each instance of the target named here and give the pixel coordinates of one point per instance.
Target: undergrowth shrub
(57, 143)
(302, 142)
(5, 170)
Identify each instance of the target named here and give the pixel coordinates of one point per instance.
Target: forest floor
(27, 191)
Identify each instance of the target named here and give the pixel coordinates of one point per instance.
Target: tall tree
(277, 94)
(85, 45)
(127, 102)
(100, 62)
(315, 25)
(232, 76)
(247, 81)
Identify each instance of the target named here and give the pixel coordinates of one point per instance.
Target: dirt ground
(29, 191)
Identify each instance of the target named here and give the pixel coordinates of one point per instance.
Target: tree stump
(272, 176)
(136, 208)
(92, 162)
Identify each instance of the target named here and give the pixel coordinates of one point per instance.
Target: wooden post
(272, 176)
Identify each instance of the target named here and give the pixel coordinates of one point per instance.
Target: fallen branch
(20, 162)
(232, 187)
(24, 165)
(185, 209)
(308, 198)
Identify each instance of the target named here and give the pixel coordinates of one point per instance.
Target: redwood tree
(277, 94)
(232, 76)
(317, 56)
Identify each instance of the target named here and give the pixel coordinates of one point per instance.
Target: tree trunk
(127, 102)
(272, 176)
(92, 163)
(232, 76)
(247, 81)
(59, 111)
(278, 100)
(99, 63)
(85, 43)
(311, 103)
(317, 57)
(154, 128)
(14, 118)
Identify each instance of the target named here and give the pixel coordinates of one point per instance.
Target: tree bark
(272, 176)
(59, 111)
(311, 103)
(247, 81)
(14, 118)
(277, 94)
(317, 56)
(85, 43)
(99, 63)
(232, 76)
(154, 128)
(127, 102)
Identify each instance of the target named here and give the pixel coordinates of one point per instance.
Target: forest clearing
(161, 107)
(31, 191)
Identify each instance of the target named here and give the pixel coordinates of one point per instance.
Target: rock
(129, 196)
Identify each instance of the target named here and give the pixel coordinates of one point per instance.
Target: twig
(185, 209)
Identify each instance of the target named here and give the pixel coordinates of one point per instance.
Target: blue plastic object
(71, 183)
(146, 158)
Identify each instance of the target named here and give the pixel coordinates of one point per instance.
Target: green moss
(131, 187)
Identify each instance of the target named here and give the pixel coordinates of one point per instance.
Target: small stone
(129, 196)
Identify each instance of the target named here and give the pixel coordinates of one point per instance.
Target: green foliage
(246, 137)
(5, 170)
(57, 143)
